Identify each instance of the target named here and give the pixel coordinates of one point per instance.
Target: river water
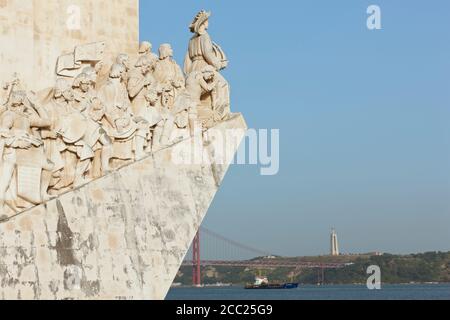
(344, 292)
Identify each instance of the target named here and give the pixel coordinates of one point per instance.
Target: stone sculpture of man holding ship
(203, 52)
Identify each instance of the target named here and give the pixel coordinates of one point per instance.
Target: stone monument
(110, 155)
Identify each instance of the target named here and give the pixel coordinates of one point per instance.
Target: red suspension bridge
(220, 251)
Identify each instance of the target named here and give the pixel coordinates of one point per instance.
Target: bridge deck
(269, 264)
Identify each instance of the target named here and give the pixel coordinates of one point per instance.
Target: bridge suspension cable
(236, 244)
(219, 251)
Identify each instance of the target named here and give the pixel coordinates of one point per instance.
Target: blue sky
(363, 115)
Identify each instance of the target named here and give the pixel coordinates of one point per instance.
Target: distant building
(334, 243)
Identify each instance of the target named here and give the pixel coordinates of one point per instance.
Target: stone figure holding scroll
(23, 164)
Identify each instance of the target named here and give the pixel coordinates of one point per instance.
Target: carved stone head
(145, 48)
(17, 100)
(209, 73)
(63, 89)
(167, 97)
(200, 23)
(165, 51)
(152, 96)
(117, 71)
(83, 82)
(91, 73)
(124, 60)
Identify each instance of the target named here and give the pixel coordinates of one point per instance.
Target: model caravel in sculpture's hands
(82, 128)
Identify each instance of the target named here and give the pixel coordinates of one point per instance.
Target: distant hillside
(420, 268)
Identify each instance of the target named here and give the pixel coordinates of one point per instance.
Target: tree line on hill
(427, 267)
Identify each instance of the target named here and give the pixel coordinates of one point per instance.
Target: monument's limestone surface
(34, 33)
(110, 155)
(120, 237)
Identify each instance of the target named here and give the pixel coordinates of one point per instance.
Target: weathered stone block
(34, 33)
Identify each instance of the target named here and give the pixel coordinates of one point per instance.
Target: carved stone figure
(203, 52)
(124, 60)
(203, 82)
(84, 93)
(93, 74)
(87, 102)
(145, 50)
(85, 98)
(73, 139)
(160, 118)
(167, 72)
(139, 82)
(22, 158)
(129, 133)
(202, 85)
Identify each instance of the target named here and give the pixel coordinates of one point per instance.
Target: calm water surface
(347, 292)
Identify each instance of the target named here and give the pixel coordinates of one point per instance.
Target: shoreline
(207, 286)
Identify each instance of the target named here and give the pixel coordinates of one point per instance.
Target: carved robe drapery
(24, 152)
(138, 90)
(168, 73)
(118, 121)
(202, 52)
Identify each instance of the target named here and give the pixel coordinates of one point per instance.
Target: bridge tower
(196, 272)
